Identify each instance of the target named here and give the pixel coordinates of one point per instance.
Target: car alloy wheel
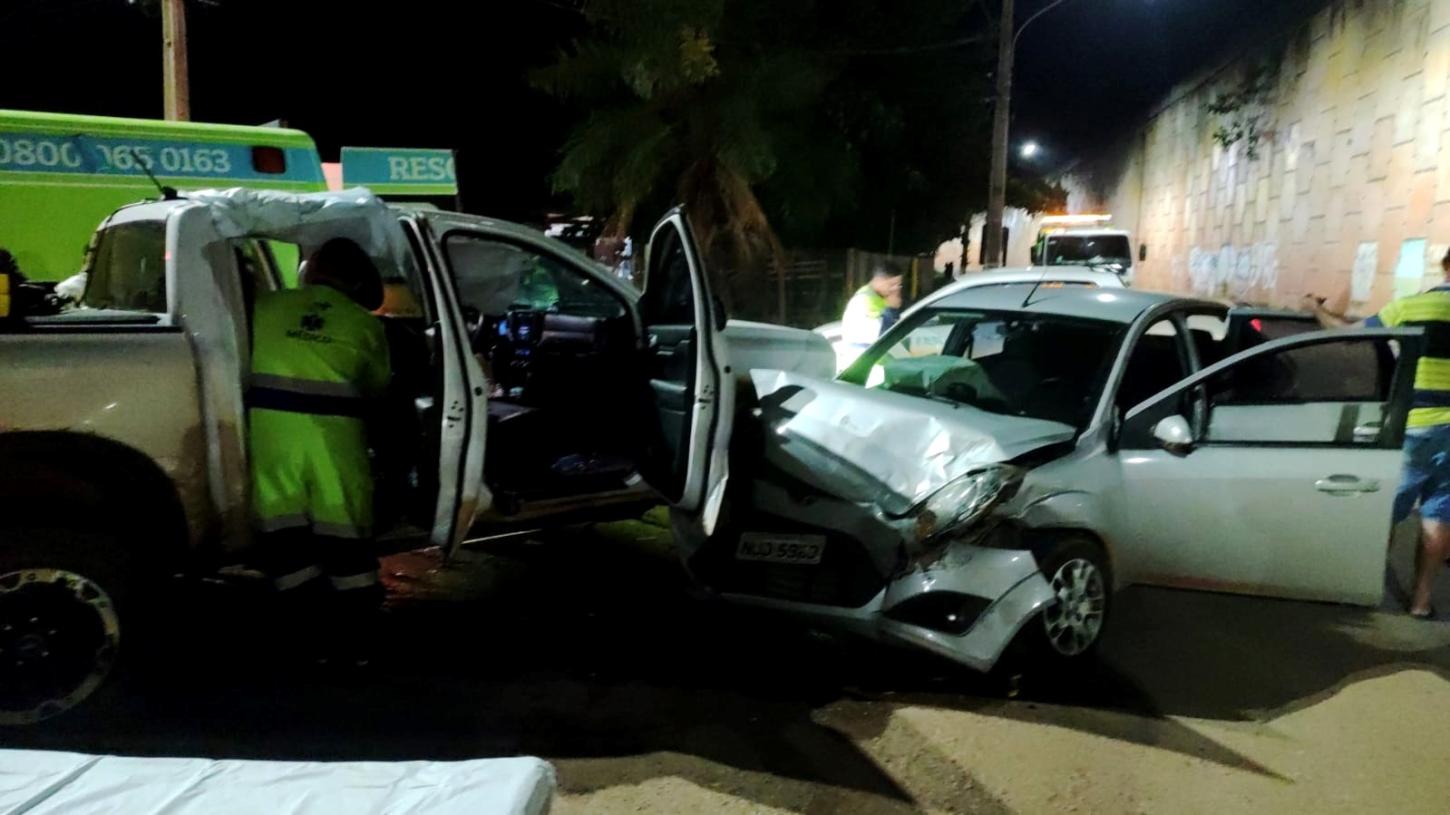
(59, 637)
(1075, 617)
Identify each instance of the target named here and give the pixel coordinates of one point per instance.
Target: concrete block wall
(1349, 194)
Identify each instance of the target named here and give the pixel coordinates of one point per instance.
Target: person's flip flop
(1428, 615)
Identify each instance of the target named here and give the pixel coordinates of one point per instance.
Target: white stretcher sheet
(41, 783)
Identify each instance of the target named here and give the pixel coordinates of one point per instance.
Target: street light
(1030, 149)
(997, 180)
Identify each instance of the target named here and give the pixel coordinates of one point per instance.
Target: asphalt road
(589, 649)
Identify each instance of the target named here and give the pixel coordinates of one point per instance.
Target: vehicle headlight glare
(964, 501)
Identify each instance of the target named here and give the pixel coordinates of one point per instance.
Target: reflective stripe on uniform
(297, 579)
(315, 404)
(354, 581)
(330, 529)
(297, 395)
(308, 387)
(281, 522)
(337, 530)
(1430, 312)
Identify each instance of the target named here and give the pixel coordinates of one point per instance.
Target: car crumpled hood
(871, 445)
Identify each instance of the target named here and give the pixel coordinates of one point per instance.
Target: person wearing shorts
(1425, 477)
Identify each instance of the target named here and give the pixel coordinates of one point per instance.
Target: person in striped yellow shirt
(1425, 478)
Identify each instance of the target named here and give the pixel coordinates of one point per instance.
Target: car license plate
(802, 550)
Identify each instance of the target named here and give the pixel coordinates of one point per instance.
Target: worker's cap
(343, 265)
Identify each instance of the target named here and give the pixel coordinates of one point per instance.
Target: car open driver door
(1284, 486)
(690, 382)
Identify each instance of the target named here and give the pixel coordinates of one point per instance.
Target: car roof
(1025, 274)
(1114, 305)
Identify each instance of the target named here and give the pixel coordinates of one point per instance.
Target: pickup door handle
(1346, 485)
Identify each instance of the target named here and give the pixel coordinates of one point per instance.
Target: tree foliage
(845, 123)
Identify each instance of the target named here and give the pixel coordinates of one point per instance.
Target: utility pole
(175, 83)
(1001, 116)
(1001, 122)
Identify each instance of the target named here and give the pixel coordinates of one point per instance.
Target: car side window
(1157, 363)
(495, 278)
(669, 293)
(1343, 371)
(1272, 399)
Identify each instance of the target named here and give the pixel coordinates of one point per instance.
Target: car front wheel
(1068, 630)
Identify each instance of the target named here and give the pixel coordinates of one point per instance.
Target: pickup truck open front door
(462, 406)
(690, 380)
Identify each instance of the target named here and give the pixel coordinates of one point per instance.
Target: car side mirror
(717, 310)
(1174, 435)
(1036, 255)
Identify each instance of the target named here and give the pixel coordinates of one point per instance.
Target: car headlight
(964, 501)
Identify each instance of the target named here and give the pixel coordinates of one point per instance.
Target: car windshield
(1088, 249)
(1013, 363)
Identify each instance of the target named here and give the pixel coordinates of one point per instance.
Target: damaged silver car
(999, 463)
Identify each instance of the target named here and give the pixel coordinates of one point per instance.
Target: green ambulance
(61, 174)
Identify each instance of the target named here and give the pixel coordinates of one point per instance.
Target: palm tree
(672, 115)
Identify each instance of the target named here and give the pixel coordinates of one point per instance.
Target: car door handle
(1346, 485)
(1367, 433)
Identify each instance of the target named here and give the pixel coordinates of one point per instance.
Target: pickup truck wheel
(61, 598)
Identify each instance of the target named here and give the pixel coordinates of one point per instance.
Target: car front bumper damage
(965, 605)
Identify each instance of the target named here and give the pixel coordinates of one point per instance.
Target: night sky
(1090, 63)
(430, 76)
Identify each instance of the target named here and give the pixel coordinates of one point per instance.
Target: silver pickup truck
(529, 387)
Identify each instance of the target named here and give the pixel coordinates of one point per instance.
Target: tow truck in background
(1083, 240)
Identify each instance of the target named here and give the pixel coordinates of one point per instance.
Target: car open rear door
(1272, 472)
(462, 407)
(689, 377)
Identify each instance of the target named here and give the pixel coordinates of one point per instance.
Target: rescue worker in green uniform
(320, 359)
(870, 311)
(537, 288)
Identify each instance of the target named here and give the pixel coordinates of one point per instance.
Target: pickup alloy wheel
(59, 637)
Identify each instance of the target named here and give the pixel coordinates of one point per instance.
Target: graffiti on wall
(1234, 271)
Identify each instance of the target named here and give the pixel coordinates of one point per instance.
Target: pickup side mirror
(1174, 435)
(1037, 254)
(717, 311)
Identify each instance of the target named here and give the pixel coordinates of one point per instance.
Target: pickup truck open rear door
(690, 380)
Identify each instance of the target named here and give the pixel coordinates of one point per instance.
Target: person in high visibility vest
(869, 312)
(1425, 474)
(320, 359)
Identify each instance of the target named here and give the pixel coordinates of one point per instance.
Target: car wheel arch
(62, 478)
(1043, 540)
